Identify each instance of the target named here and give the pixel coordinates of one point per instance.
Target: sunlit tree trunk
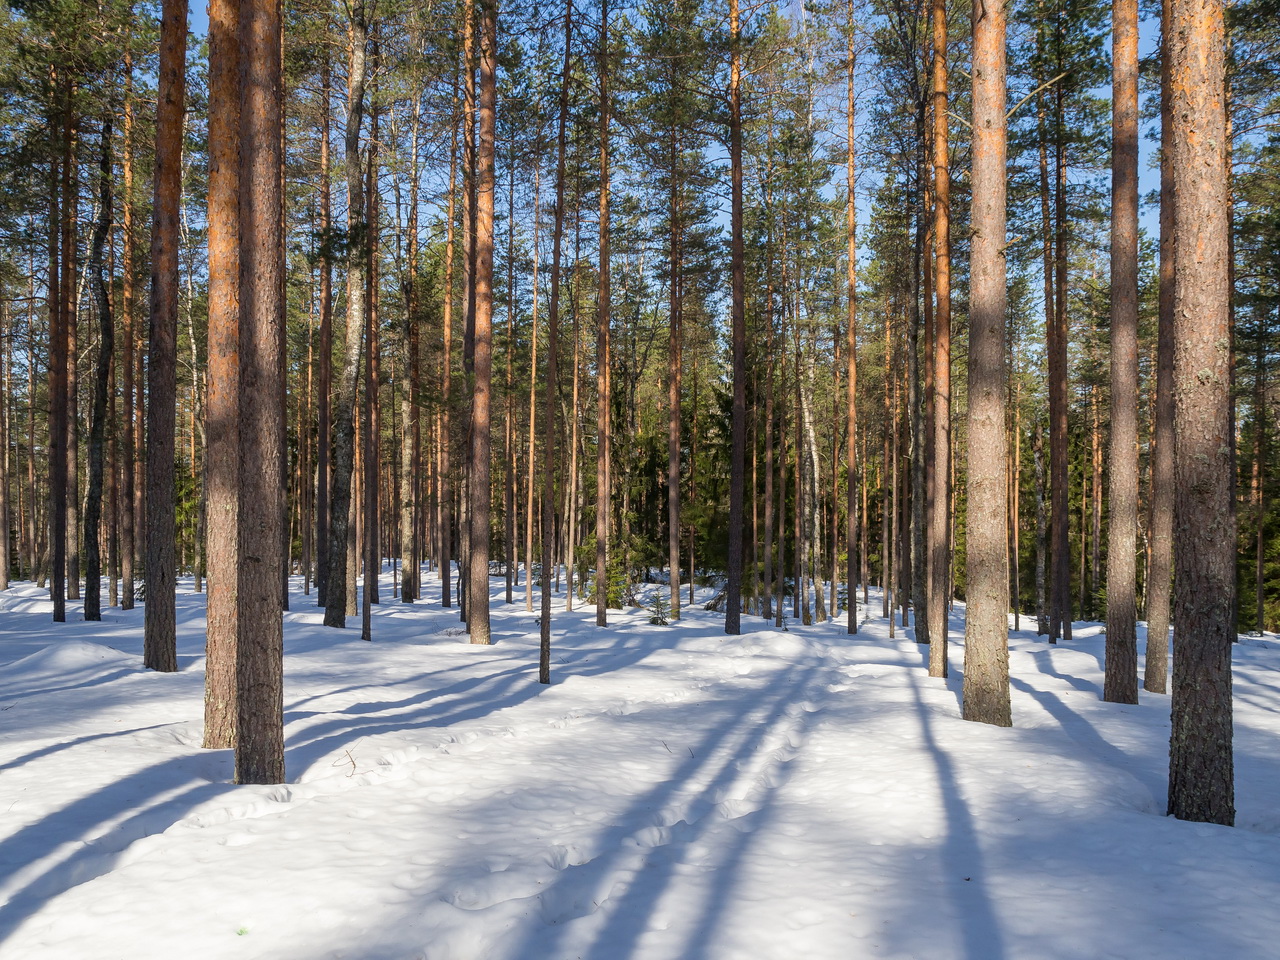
(1121, 682)
(986, 655)
(1200, 752)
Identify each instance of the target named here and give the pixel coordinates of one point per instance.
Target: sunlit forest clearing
(662, 479)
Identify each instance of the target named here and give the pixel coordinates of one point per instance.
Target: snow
(675, 793)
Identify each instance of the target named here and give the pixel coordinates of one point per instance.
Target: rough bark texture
(127, 465)
(222, 429)
(549, 388)
(260, 590)
(738, 451)
(324, 386)
(478, 581)
(344, 401)
(57, 411)
(101, 388)
(604, 373)
(1155, 676)
(1200, 755)
(159, 644)
(851, 340)
(1121, 682)
(939, 516)
(986, 653)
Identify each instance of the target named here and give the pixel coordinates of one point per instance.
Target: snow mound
(66, 656)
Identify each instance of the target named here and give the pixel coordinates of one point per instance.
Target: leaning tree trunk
(1200, 754)
(986, 652)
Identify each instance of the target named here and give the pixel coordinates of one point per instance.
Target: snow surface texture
(674, 793)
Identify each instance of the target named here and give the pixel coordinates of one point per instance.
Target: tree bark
(101, 389)
(553, 336)
(1121, 680)
(1200, 753)
(478, 581)
(986, 654)
(1156, 669)
(160, 642)
(738, 451)
(344, 400)
(604, 373)
(324, 380)
(259, 750)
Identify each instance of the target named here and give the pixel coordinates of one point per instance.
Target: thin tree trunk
(737, 256)
(604, 372)
(553, 336)
(939, 566)
(101, 388)
(478, 602)
(533, 405)
(344, 401)
(324, 384)
(1156, 669)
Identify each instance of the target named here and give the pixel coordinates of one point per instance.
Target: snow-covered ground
(675, 793)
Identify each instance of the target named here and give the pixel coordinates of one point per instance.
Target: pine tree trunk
(986, 654)
(604, 373)
(478, 602)
(324, 385)
(160, 643)
(223, 430)
(344, 400)
(1200, 753)
(1156, 669)
(939, 518)
(101, 388)
(1121, 682)
(57, 468)
(259, 750)
(738, 441)
(552, 376)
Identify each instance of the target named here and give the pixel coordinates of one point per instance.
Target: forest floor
(674, 793)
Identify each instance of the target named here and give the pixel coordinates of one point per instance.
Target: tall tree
(738, 451)
(939, 567)
(1121, 681)
(604, 397)
(1156, 669)
(344, 401)
(222, 403)
(101, 388)
(481, 446)
(549, 384)
(259, 750)
(986, 653)
(1201, 783)
(160, 641)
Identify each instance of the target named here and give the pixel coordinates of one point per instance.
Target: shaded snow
(675, 793)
